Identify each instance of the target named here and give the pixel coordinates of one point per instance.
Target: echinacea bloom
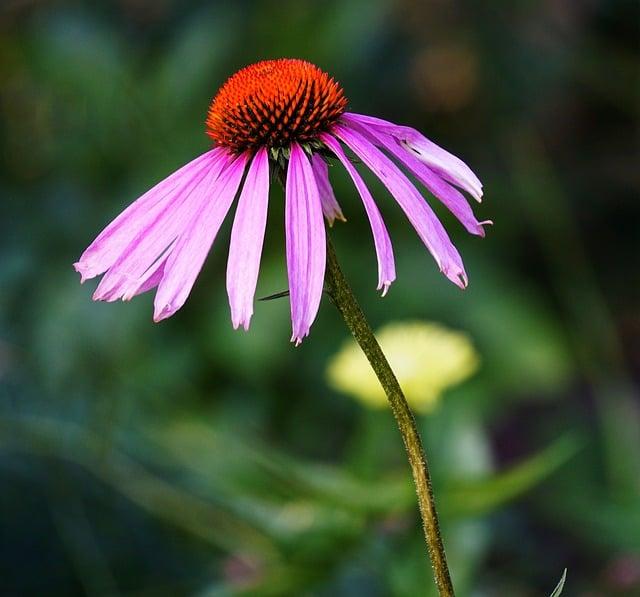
(285, 116)
(426, 357)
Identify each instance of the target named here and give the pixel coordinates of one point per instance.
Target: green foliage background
(188, 459)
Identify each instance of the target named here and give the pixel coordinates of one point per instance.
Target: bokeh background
(188, 459)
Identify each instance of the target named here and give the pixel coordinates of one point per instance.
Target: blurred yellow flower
(427, 358)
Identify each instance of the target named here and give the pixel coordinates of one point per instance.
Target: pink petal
(453, 199)
(103, 252)
(306, 243)
(384, 251)
(417, 210)
(247, 237)
(153, 237)
(448, 166)
(193, 245)
(330, 206)
(150, 279)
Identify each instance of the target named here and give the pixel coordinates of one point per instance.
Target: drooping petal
(151, 240)
(330, 207)
(447, 165)
(150, 279)
(306, 243)
(416, 209)
(103, 252)
(193, 245)
(247, 237)
(382, 242)
(453, 199)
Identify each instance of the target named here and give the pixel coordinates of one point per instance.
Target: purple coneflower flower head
(284, 116)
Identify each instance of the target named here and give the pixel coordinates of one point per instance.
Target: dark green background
(188, 459)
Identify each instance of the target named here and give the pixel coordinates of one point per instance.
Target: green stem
(344, 299)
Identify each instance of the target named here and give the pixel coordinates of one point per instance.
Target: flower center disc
(274, 102)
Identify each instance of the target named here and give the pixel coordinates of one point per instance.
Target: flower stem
(344, 299)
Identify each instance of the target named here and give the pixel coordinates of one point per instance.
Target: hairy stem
(344, 299)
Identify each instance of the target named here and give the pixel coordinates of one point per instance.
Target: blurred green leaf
(602, 521)
(211, 522)
(478, 497)
(560, 586)
(192, 444)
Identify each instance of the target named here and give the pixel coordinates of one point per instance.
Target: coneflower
(285, 116)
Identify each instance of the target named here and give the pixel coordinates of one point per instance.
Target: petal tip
(243, 322)
(476, 191)
(164, 313)
(331, 218)
(298, 338)
(480, 231)
(457, 276)
(462, 281)
(99, 296)
(83, 270)
(384, 286)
